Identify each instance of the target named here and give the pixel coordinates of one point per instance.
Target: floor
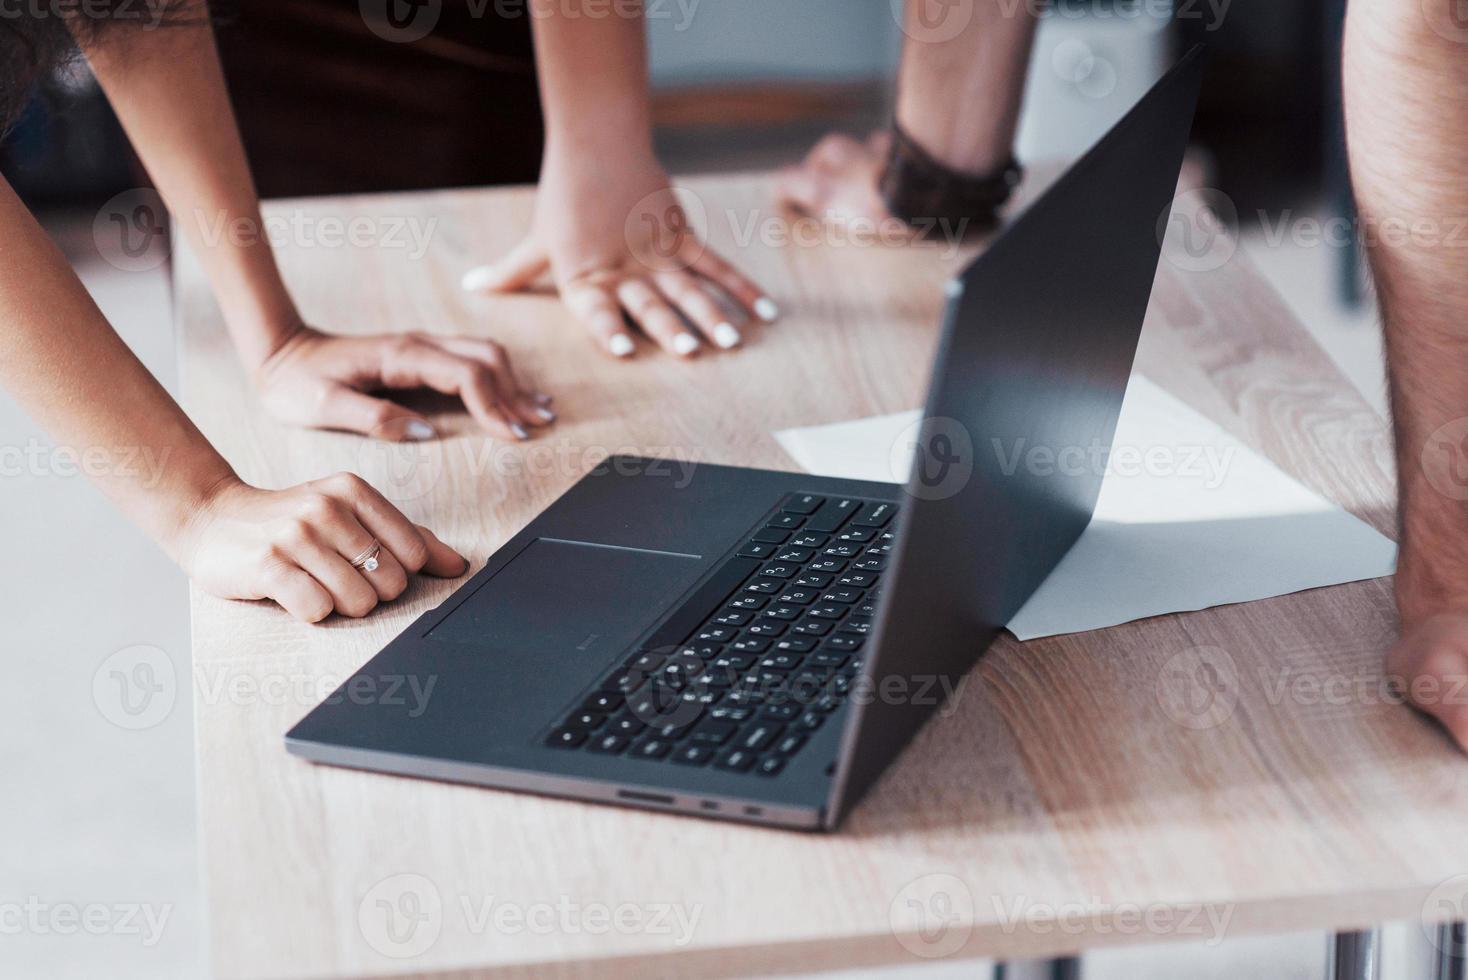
(98, 814)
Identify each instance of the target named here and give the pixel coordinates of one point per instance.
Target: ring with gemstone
(367, 560)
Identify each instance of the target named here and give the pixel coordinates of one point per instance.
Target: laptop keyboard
(757, 659)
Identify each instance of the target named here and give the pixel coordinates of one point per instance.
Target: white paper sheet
(1188, 518)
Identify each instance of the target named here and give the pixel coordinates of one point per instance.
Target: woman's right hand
(296, 546)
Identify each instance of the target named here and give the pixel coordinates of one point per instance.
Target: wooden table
(1176, 778)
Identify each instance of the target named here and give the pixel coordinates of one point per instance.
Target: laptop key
(735, 661)
(860, 535)
(781, 661)
(796, 644)
(812, 627)
(870, 565)
(781, 712)
(831, 565)
(789, 744)
(828, 610)
(809, 539)
(770, 766)
(693, 755)
(800, 596)
(802, 503)
(787, 521)
(843, 551)
(764, 586)
(845, 643)
(833, 515)
(652, 748)
(713, 732)
(797, 555)
(874, 515)
(565, 738)
(756, 549)
(603, 701)
(750, 644)
(608, 744)
(749, 601)
(826, 659)
(735, 760)
(771, 535)
(733, 617)
(769, 627)
(782, 611)
(646, 661)
(813, 580)
(859, 625)
(847, 596)
(858, 580)
(811, 720)
(780, 570)
(730, 712)
(585, 720)
(625, 724)
(759, 735)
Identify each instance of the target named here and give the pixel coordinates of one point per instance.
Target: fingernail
(765, 309)
(419, 431)
(726, 336)
(519, 431)
(546, 414)
(685, 343)
(476, 279)
(620, 345)
(542, 399)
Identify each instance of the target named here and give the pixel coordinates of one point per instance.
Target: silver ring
(367, 560)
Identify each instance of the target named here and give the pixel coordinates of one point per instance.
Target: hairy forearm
(71, 372)
(168, 91)
(592, 62)
(959, 96)
(1407, 122)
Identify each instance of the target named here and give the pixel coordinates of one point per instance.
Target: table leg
(1355, 955)
(1060, 968)
(1452, 953)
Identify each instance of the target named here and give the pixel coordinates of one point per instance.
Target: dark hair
(39, 36)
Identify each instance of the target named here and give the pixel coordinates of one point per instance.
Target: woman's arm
(167, 89)
(69, 369)
(607, 223)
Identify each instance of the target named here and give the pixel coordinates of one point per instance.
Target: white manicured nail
(620, 345)
(765, 309)
(685, 343)
(419, 431)
(546, 414)
(726, 336)
(519, 431)
(476, 279)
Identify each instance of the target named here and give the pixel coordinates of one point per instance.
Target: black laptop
(760, 646)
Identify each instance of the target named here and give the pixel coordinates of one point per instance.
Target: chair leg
(1060, 968)
(1355, 955)
(1452, 951)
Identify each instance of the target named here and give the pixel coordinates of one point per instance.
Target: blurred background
(101, 811)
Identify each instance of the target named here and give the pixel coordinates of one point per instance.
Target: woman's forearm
(70, 371)
(168, 90)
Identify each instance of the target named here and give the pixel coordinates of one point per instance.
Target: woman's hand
(624, 245)
(321, 380)
(296, 547)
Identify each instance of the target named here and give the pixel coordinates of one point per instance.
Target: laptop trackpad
(562, 596)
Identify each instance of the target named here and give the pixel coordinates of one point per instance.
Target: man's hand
(1431, 660)
(837, 181)
(322, 381)
(623, 245)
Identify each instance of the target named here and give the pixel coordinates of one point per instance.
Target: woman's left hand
(321, 380)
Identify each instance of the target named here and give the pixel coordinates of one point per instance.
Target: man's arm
(1406, 89)
(607, 224)
(167, 88)
(959, 91)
